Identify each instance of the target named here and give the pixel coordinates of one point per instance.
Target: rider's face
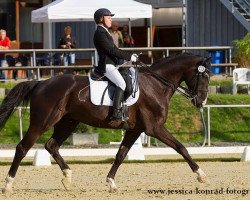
(107, 21)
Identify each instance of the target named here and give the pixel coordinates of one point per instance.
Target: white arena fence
(144, 151)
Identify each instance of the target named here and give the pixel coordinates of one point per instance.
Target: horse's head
(197, 79)
(194, 70)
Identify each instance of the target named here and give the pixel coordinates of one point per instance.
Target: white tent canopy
(79, 10)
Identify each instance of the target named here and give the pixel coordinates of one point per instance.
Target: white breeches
(114, 75)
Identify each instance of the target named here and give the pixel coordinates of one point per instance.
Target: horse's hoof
(7, 192)
(113, 190)
(202, 178)
(66, 183)
(112, 186)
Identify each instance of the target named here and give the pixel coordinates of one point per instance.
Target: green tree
(242, 54)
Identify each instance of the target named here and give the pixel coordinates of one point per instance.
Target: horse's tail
(20, 93)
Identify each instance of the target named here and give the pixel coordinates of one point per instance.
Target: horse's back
(59, 85)
(56, 89)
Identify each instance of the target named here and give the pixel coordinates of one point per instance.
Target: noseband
(202, 72)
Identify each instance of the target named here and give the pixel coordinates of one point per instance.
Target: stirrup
(124, 112)
(117, 114)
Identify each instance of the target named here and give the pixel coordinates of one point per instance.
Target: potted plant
(242, 54)
(82, 135)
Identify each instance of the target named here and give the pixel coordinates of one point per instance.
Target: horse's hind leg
(62, 130)
(127, 142)
(22, 148)
(164, 135)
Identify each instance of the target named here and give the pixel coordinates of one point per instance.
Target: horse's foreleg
(127, 142)
(166, 137)
(62, 130)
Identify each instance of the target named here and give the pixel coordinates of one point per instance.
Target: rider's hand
(134, 57)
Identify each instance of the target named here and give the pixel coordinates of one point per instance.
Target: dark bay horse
(55, 103)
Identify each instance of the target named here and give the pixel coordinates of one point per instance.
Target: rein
(186, 93)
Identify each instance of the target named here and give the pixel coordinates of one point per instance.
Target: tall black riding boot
(118, 98)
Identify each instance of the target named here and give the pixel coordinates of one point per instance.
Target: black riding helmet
(101, 13)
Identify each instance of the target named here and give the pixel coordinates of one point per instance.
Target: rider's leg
(117, 100)
(114, 75)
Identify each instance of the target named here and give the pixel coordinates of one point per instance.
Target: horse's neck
(170, 73)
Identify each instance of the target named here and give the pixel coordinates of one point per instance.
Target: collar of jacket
(104, 28)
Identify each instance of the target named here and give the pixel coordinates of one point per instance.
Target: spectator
(116, 34)
(20, 61)
(128, 41)
(125, 31)
(24, 60)
(4, 45)
(11, 61)
(68, 42)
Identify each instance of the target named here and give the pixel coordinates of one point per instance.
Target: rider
(109, 57)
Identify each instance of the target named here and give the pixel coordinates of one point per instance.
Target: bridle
(202, 73)
(192, 95)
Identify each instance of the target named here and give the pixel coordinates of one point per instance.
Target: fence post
(96, 57)
(208, 126)
(230, 55)
(37, 68)
(20, 122)
(148, 142)
(167, 52)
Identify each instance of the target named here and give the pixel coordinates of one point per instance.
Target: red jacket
(5, 43)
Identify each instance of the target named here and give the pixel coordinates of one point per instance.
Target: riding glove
(134, 57)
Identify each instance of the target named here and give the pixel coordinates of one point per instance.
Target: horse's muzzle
(198, 102)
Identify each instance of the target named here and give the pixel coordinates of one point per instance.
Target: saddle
(127, 76)
(102, 89)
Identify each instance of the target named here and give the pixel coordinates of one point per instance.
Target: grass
(10, 133)
(221, 82)
(7, 85)
(227, 124)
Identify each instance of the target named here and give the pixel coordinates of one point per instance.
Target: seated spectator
(20, 61)
(11, 61)
(24, 60)
(4, 45)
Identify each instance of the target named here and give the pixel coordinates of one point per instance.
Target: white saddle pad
(97, 88)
